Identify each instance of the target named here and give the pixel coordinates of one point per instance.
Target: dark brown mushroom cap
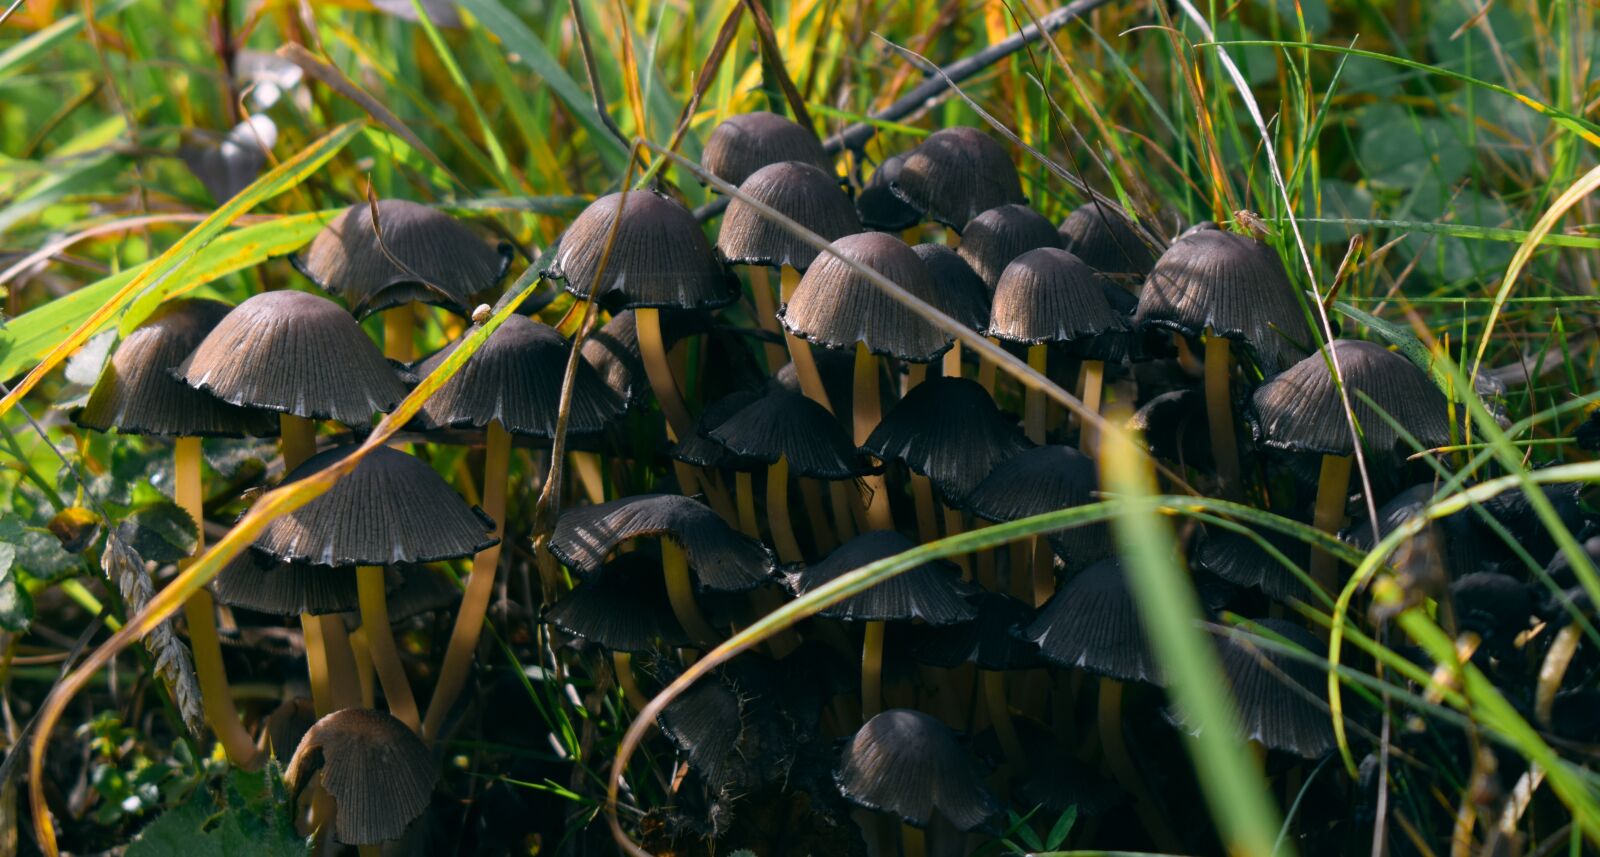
(392, 509)
(416, 590)
(961, 293)
(445, 264)
(286, 725)
(1238, 559)
(515, 379)
(836, 307)
(1281, 701)
(1300, 410)
(1092, 623)
(909, 765)
(1174, 426)
(138, 394)
(998, 236)
(837, 369)
(295, 353)
(701, 450)
(1495, 606)
(1101, 237)
(956, 173)
(379, 772)
(949, 430)
(877, 204)
(1232, 285)
(705, 724)
(989, 640)
(613, 349)
(746, 142)
(1050, 295)
(1039, 480)
(785, 424)
(623, 607)
(720, 558)
(806, 194)
(659, 258)
(932, 592)
(254, 581)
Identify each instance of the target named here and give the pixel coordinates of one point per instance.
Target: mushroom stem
(380, 642)
(994, 699)
(745, 494)
(778, 512)
(951, 365)
(913, 841)
(805, 365)
(927, 517)
(216, 698)
(363, 655)
(369, 850)
(587, 466)
(955, 525)
(1033, 401)
(480, 584)
(1219, 412)
(1093, 377)
(653, 352)
(911, 235)
(872, 671)
(399, 333)
(1554, 669)
(622, 665)
(1044, 571)
(844, 509)
(867, 410)
(1123, 769)
(988, 372)
(821, 531)
(344, 689)
(316, 665)
(767, 316)
(1333, 490)
(297, 440)
(680, 591)
(952, 238)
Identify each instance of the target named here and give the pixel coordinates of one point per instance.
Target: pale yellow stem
(805, 365)
(587, 466)
(994, 699)
(783, 539)
(913, 841)
(872, 671)
(951, 364)
(821, 530)
(955, 525)
(1219, 413)
(845, 510)
(400, 333)
(1033, 401)
(867, 411)
(1093, 376)
(1125, 772)
(927, 515)
(622, 665)
(1333, 490)
(653, 353)
(380, 642)
(988, 372)
(362, 652)
(1553, 670)
(767, 316)
(297, 438)
(343, 687)
(316, 665)
(744, 493)
(680, 592)
(1044, 571)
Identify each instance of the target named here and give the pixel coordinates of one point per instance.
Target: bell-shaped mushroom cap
(441, 261)
(1101, 237)
(515, 379)
(877, 203)
(837, 369)
(705, 725)
(229, 164)
(809, 196)
(700, 449)
(746, 142)
(1092, 623)
(961, 293)
(1281, 700)
(909, 765)
(613, 349)
(286, 725)
(659, 258)
(1495, 606)
(1050, 295)
(1039, 480)
(720, 558)
(1238, 559)
(949, 430)
(785, 424)
(932, 592)
(137, 393)
(998, 236)
(1301, 411)
(835, 306)
(379, 772)
(254, 581)
(1232, 285)
(956, 173)
(622, 607)
(296, 353)
(989, 640)
(392, 509)
(1174, 426)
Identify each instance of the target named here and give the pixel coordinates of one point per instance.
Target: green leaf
(161, 532)
(16, 606)
(1062, 828)
(42, 41)
(252, 818)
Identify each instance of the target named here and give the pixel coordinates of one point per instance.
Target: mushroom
(613, 349)
(137, 394)
(996, 237)
(949, 430)
(880, 209)
(961, 294)
(623, 608)
(746, 142)
(227, 165)
(379, 773)
(1281, 701)
(1101, 235)
(1033, 482)
(954, 174)
(1240, 560)
(990, 643)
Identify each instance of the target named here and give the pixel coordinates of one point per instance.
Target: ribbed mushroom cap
(956, 173)
(296, 353)
(835, 306)
(809, 196)
(623, 607)
(254, 581)
(746, 142)
(445, 264)
(659, 258)
(1300, 410)
(961, 293)
(137, 393)
(1237, 558)
(877, 203)
(721, 559)
(989, 640)
(1050, 295)
(700, 449)
(1232, 285)
(1039, 480)
(393, 508)
(1174, 426)
(932, 592)
(613, 349)
(705, 725)
(949, 430)
(287, 724)
(1102, 238)
(909, 765)
(228, 164)
(515, 378)
(998, 236)
(1092, 623)
(786, 424)
(379, 772)
(1281, 701)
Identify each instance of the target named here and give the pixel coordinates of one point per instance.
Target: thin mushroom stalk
(1123, 769)
(994, 700)
(1033, 401)
(1092, 378)
(1333, 490)
(380, 642)
(783, 539)
(867, 412)
(872, 669)
(822, 534)
(653, 352)
(680, 592)
(297, 438)
(1219, 412)
(805, 365)
(622, 665)
(767, 316)
(400, 333)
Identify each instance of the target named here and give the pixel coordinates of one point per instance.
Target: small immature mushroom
(1281, 700)
(1036, 481)
(1224, 287)
(949, 430)
(1491, 610)
(956, 173)
(989, 642)
(1301, 410)
(1101, 236)
(623, 608)
(878, 206)
(380, 774)
(746, 142)
(996, 237)
(932, 592)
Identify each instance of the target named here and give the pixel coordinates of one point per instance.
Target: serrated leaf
(16, 605)
(40, 554)
(161, 532)
(251, 819)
